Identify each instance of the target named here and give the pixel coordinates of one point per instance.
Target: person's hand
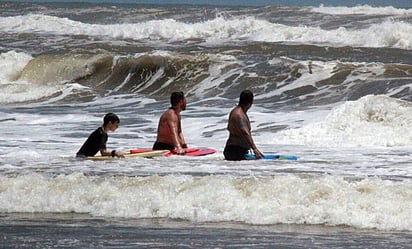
(258, 154)
(180, 151)
(119, 154)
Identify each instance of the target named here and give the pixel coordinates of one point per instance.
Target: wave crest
(373, 120)
(218, 30)
(287, 199)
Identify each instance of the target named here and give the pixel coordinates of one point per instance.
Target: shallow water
(335, 92)
(76, 230)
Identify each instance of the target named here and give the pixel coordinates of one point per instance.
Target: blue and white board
(274, 157)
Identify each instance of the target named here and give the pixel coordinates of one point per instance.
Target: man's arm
(244, 128)
(172, 122)
(182, 140)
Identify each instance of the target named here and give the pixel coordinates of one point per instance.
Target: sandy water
(325, 92)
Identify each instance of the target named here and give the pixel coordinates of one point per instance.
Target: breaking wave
(284, 199)
(389, 33)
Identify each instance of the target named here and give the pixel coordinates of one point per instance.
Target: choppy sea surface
(331, 84)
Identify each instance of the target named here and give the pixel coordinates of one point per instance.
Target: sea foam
(362, 10)
(11, 64)
(373, 120)
(389, 33)
(287, 199)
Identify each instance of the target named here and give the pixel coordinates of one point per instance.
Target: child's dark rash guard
(95, 142)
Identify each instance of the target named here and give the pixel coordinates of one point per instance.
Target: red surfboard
(201, 151)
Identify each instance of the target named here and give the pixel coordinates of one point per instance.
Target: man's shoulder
(237, 111)
(169, 113)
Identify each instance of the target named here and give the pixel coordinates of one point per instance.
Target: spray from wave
(280, 80)
(287, 199)
(370, 121)
(218, 30)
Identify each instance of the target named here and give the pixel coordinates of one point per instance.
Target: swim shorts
(162, 146)
(235, 153)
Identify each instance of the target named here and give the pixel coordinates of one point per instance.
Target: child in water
(98, 139)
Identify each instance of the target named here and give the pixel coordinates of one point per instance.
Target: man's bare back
(238, 126)
(240, 138)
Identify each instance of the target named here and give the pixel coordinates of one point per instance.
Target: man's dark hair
(110, 117)
(176, 97)
(246, 97)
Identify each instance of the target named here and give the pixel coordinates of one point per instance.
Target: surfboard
(273, 157)
(201, 151)
(145, 153)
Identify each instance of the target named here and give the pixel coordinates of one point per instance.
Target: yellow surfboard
(151, 153)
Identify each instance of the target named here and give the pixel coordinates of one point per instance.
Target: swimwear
(162, 146)
(235, 153)
(95, 142)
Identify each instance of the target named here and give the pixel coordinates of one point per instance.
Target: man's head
(111, 121)
(246, 98)
(178, 98)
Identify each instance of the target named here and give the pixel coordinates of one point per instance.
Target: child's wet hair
(110, 117)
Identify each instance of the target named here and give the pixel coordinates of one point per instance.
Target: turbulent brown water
(331, 84)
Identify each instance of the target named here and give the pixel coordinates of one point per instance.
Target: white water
(354, 164)
(331, 200)
(329, 184)
(370, 121)
(389, 33)
(362, 10)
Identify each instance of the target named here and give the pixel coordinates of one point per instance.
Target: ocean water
(332, 86)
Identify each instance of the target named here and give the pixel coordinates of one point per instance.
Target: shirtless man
(169, 130)
(240, 138)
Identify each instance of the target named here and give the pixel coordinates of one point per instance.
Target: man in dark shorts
(169, 130)
(97, 140)
(240, 138)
